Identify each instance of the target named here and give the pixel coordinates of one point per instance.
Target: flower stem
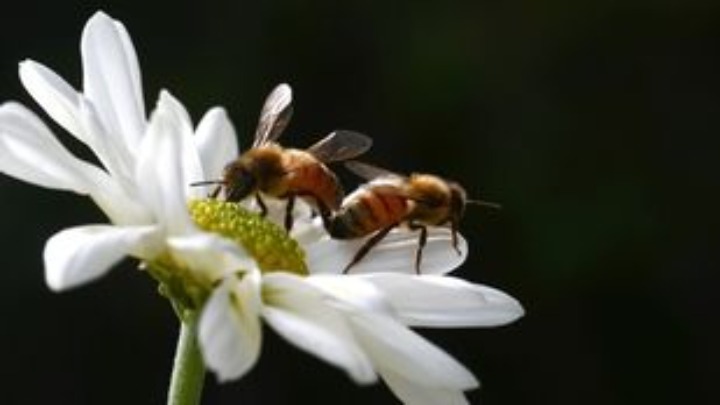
(188, 375)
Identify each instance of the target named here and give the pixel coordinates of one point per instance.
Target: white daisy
(357, 322)
(240, 269)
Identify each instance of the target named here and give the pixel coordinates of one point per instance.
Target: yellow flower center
(271, 247)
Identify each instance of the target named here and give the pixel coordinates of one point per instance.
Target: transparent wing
(371, 172)
(340, 146)
(275, 115)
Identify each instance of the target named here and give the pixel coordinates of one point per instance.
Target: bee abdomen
(339, 228)
(366, 214)
(349, 223)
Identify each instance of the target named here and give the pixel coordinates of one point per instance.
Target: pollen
(271, 247)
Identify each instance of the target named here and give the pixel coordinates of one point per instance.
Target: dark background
(594, 124)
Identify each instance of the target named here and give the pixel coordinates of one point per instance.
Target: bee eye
(247, 179)
(239, 182)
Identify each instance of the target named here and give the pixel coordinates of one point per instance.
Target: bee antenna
(489, 204)
(206, 183)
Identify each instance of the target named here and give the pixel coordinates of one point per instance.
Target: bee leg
(326, 217)
(322, 210)
(325, 213)
(379, 235)
(215, 192)
(289, 212)
(454, 230)
(261, 204)
(422, 240)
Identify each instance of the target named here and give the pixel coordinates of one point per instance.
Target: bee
(287, 173)
(390, 200)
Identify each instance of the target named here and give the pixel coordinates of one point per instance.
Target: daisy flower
(219, 260)
(358, 321)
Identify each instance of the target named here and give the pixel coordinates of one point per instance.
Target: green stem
(188, 375)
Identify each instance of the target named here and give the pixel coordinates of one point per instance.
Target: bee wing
(340, 146)
(371, 172)
(275, 115)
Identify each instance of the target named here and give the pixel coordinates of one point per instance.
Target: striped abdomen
(367, 210)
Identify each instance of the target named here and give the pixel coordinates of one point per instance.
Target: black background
(594, 124)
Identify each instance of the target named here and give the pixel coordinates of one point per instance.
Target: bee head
(238, 181)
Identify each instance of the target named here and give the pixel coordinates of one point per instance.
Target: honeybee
(287, 173)
(389, 200)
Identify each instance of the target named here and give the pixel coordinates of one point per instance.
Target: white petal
(230, 332)
(55, 95)
(64, 105)
(25, 141)
(301, 315)
(160, 175)
(76, 114)
(411, 393)
(395, 348)
(209, 254)
(78, 255)
(117, 196)
(442, 301)
(111, 77)
(190, 163)
(394, 254)
(216, 142)
(352, 292)
(121, 208)
(109, 148)
(306, 230)
(30, 152)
